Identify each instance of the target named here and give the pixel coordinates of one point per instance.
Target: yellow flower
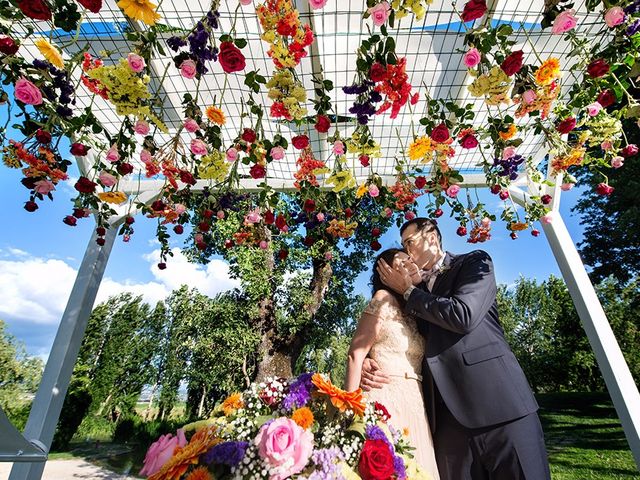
(494, 84)
(50, 52)
(215, 115)
(213, 166)
(341, 180)
(142, 10)
(113, 197)
(232, 403)
(548, 71)
(362, 189)
(511, 131)
(420, 148)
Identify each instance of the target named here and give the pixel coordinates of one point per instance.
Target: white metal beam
(613, 366)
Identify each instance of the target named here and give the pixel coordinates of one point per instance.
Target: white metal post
(615, 371)
(48, 401)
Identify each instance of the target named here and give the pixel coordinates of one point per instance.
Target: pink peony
(112, 154)
(107, 179)
(379, 13)
(614, 16)
(160, 451)
(232, 154)
(277, 153)
(27, 92)
(529, 96)
(43, 187)
(191, 126)
(593, 109)
(141, 127)
(564, 22)
(316, 4)
(338, 147)
(452, 191)
(472, 58)
(285, 447)
(617, 162)
(145, 156)
(198, 147)
(188, 69)
(374, 191)
(136, 62)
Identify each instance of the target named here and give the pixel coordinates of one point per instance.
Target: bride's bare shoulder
(385, 297)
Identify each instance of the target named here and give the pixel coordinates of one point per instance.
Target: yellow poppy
(113, 197)
(420, 148)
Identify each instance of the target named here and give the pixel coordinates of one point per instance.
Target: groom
(480, 407)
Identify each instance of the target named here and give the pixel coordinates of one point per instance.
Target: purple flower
(226, 453)
(299, 392)
(633, 28)
(175, 43)
(374, 432)
(399, 467)
(633, 8)
(509, 166)
(212, 18)
(326, 460)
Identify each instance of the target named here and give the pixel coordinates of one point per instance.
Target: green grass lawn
(584, 438)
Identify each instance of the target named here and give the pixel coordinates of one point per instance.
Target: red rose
(84, 185)
(513, 63)
(81, 212)
(364, 160)
(309, 205)
(70, 220)
(158, 206)
(8, 45)
(378, 72)
(257, 171)
(124, 168)
(269, 217)
(300, 142)
(566, 125)
(323, 124)
(469, 141)
(36, 9)
(607, 98)
(281, 222)
(375, 245)
(91, 5)
(231, 58)
(440, 134)
(598, 68)
(376, 461)
(420, 182)
(79, 150)
(248, 135)
(604, 189)
(630, 150)
(43, 137)
(30, 206)
(473, 10)
(283, 254)
(381, 410)
(187, 177)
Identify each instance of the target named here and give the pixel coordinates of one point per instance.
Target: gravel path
(68, 470)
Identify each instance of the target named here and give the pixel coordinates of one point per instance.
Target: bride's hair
(376, 282)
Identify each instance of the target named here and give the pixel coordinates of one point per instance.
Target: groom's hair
(424, 224)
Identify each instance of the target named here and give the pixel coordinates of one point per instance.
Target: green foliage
(76, 406)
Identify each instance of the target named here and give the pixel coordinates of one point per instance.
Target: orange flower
(215, 115)
(232, 403)
(178, 465)
(303, 417)
(548, 71)
(339, 398)
(511, 131)
(200, 473)
(518, 226)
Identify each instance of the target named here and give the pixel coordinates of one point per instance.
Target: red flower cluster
(40, 166)
(404, 194)
(36, 9)
(394, 84)
(93, 85)
(307, 165)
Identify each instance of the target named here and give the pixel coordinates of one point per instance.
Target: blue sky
(39, 257)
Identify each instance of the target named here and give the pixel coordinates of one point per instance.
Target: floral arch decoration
(332, 112)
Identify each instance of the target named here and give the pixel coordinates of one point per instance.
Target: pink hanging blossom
(379, 13)
(198, 147)
(136, 62)
(564, 22)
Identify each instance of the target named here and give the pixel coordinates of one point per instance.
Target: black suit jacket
(467, 357)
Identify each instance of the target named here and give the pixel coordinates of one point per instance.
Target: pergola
(433, 47)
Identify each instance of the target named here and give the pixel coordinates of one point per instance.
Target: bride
(391, 338)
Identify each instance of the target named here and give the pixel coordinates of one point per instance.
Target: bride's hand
(372, 377)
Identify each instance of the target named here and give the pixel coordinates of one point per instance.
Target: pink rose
(388, 212)
(374, 191)
(27, 92)
(264, 245)
(593, 109)
(191, 126)
(379, 13)
(277, 153)
(245, 2)
(220, 214)
(486, 222)
(112, 154)
(198, 147)
(188, 69)
(529, 96)
(285, 446)
(508, 152)
(253, 217)
(452, 191)
(409, 215)
(565, 187)
(145, 156)
(232, 154)
(136, 62)
(617, 162)
(472, 58)
(548, 218)
(614, 16)
(564, 22)
(320, 217)
(338, 147)
(316, 4)
(141, 127)
(43, 187)
(107, 179)
(179, 208)
(160, 451)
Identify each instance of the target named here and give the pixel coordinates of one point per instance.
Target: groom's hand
(397, 280)
(372, 377)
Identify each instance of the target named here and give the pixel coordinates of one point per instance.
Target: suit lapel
(446, 266)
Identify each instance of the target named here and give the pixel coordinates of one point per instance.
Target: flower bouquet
(303, 428)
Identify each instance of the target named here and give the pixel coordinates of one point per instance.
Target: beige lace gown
(399, 350)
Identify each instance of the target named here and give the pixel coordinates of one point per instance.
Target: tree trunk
(147, 412)
(201, 406)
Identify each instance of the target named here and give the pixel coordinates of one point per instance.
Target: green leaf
(240, 42)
